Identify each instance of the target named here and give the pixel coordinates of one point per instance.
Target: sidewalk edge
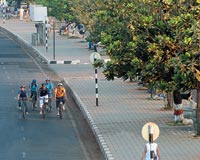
(98, 135)
(17, 38)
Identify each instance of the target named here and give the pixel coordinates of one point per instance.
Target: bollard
(94, 57)
(54, 41)
(96, 84)
(4, 16)
(46, 31)
(151, 141)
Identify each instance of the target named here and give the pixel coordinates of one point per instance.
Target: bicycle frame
(33, 102)
(24, 107)
(60, 108)
(44, 107)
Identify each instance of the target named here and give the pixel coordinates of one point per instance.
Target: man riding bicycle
(34, 88)
(43, 94)
(22, 98)
(49, 86)
(60, 95)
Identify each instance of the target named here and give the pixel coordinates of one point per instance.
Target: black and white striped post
(4, 15)
(96, 84)
(150, 131)
(46, 32)
(54, 40)
(93, 57)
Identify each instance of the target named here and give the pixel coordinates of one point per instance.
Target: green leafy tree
(89, 13)
(157, 40)
(163, 46)
(60, 9)
(153, 40)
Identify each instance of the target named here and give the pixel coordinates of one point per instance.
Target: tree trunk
(169, 101)
(131, 79)
(198, 109)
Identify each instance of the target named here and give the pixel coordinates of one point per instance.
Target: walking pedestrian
(178, 106)
(21, 14)
(151, 147)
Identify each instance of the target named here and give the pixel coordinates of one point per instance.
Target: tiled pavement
(123, 109)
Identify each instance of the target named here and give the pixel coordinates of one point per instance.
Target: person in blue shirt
(34, 89)
(49, 86)
(22, 97)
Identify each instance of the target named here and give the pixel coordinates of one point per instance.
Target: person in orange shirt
(60, 95)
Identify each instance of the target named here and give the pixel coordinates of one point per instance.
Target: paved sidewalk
(123, 109)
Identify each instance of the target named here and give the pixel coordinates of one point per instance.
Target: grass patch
(172, 123)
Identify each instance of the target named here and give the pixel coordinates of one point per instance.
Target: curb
(64, 62)
(97, 133)
(17, 38)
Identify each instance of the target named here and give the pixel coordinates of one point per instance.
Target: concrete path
(123, 108)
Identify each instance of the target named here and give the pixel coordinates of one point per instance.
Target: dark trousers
(58, 100)
(24, 103)
(34, 93)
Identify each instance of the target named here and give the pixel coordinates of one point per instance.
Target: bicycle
(33, 100)
(23, 107)
(44, 107)
(60, 108)
(49, 107)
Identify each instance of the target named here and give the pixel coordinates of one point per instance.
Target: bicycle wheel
(49, 104)
(23, 110)
(43, 111)
(33, 103)
(60, 111)
(50, 108)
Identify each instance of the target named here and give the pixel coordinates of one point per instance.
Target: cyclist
(49, 86)
(60, 95)
(34, 88)
(43, 94)
(22, 98)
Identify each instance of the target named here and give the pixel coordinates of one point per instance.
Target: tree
(88, 13)
(157, 40)
(153, 40)
(60, 9)
(164, 45)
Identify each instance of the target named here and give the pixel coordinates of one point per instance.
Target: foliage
(89, 13)
(157, 40)
(60, 9)
(98, 63)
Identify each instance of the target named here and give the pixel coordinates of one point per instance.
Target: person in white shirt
(151, 147)
(21, 14)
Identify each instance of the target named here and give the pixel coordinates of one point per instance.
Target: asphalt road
(35, 138)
